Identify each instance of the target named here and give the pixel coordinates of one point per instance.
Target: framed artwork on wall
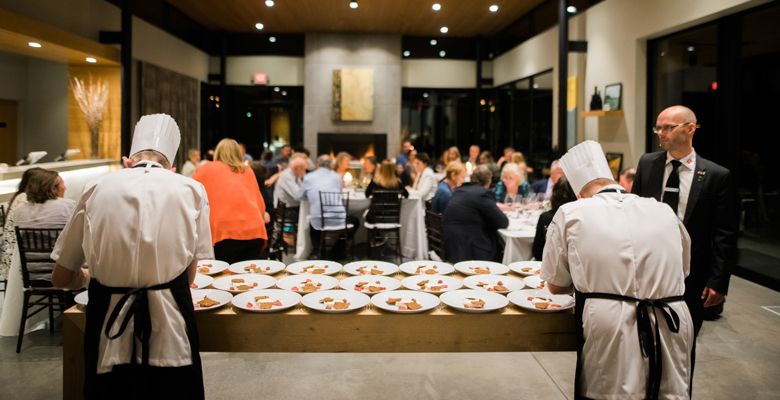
(612, 96)
(615, 162)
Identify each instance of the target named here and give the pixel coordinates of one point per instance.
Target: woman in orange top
(237, 209)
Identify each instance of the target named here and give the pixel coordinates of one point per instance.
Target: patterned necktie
(671, 194)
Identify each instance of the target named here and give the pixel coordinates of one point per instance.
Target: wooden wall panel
(78, 132)
(165, 91)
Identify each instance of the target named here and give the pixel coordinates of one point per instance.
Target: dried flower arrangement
(91, 98)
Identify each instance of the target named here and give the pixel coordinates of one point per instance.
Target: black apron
(649, 338)
(134, 381)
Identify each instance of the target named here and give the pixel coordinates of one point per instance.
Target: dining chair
(35, 247)
(384, 214)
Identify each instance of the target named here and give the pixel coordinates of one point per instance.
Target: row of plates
(379, 268)
(308, 283)
(398, 301)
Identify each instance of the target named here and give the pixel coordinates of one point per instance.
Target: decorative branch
(91, 98)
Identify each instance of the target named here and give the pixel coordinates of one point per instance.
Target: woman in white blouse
(45, 207)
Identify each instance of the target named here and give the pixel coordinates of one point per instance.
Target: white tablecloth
(518, 237)
(414, 243)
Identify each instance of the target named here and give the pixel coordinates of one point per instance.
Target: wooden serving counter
(366, 331)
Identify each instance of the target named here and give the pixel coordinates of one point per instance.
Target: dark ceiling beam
(126, 56)
(563, 73)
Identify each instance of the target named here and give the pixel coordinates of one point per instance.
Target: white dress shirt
(288, 189)
(627, 245)
(425, 185)
(687, 167)
(140, 227)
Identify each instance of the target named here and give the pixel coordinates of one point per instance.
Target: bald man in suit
(703, 195)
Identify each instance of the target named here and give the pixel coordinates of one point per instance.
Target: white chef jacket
(140, 227)
(685, 171)
(627, 245)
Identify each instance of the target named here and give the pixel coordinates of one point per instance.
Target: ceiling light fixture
(425, 95)
(436, 6)
(284, 93)
(407, 53)
(571, 9)
(433, 42)
(442, 53)
(91, 60)
(691, 48)
(353, 4)
(493, 8)
(34, 44)
(276, 89)
(444, 29)
(259, 26)
(269, 3)
(272, 39)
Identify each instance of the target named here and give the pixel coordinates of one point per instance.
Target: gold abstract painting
(353, 94)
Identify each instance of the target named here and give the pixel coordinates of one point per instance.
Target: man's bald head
(679, 113)
(675, 127)
(298, 166)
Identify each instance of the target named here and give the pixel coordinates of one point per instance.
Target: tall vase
(94, 133)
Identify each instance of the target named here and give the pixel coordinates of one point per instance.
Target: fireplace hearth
(359, 145)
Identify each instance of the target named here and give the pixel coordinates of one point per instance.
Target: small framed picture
(615, 162)
(612, 96)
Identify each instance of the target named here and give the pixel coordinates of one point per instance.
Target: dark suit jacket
(711, 218)
(470, 225)
(540, 186)
(541, 234)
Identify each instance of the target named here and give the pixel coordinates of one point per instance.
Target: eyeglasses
(668, 128)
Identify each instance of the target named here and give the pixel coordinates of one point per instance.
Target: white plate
(211, 267)
(488, 282)
(438, 268)
(521, 299)
(82, 298)
(356, 300)
(526, 268)
(285, 298)
(481, 268)
(457, 300)
(295, 283)
(411, 283)
(308, 267)
(217, 295)
(265, 267)
(383, 283)
(201, 281)
(252, 281)
(426, 300)
(386, 268)
(534, 282)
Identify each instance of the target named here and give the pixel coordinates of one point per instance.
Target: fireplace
(358, 145)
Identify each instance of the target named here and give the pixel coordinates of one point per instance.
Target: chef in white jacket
(626, 258)
(140, 231)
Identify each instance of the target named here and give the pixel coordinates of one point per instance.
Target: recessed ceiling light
(276, 89)
(249, 114)
(259, 26)
(444, 29)
(407, 53)
(425, 95)
(436, 6)
(353, 4)
(34, 44)
(536, 86)
(284, 93)
(269, 3)
(433, 42)
(272, 39)
(442, 53)
(571, 9)
(493, 8)
(691, 48)
(91, 60)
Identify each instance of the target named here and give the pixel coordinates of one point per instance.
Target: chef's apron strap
(579, 306)
(97, 308)
(183, 297)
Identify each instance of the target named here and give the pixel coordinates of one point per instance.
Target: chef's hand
(711, 297)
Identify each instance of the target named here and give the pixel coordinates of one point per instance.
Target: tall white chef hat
(583, 163)
(157, 132)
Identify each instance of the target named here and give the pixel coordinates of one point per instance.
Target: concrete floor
(738, 358)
